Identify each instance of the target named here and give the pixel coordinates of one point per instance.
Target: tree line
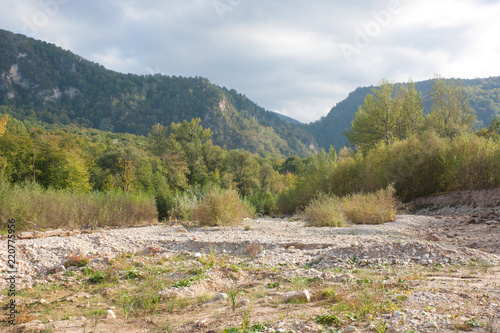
(393, 144)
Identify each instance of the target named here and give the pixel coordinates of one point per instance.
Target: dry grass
(325, 211)
(37, 208)
(371, 208)
(359, 208)
(221, 208)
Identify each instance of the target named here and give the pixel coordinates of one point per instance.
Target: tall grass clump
(221, 208)
(325, 211)
(35, 207)
(183, 204)
(371, 208)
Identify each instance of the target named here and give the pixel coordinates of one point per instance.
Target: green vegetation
(221, 208)
(411, 140)
(61, 88)
(370, 208)
(325, 211)
(483, 95)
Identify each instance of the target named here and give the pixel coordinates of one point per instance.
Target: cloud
(286, 56)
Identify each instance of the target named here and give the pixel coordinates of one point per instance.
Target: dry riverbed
(434, 270)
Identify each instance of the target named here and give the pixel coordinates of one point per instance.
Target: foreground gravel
(412, 241)
(273, 241)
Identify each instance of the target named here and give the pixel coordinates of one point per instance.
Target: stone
(301, 295)
(203, 323)
(430, 325)
(219, 297)
(397, 315)
(25, 235)
(244, 302)
(43, 301)
(349, 329)
(181, 230)
(110, 314)
(197, 255)
(432, 238)
(57, 269)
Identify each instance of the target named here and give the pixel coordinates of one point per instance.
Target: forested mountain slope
(484, 95)
(41, 82)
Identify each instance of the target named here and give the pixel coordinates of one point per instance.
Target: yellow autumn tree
(3, 124)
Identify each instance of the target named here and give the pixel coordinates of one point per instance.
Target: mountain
(41, 82)
(484, 95)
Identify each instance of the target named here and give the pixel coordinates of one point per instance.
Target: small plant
(381, 327)
(233, 290)
(76, 260)
(272, 285)
(328, 320)
(97, 277)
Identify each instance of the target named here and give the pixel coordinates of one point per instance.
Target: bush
(325, 211)
(371, 208)
(183, 205)
(221, 208)
(264, 204)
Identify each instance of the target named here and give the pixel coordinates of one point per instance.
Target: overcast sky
(295, 57)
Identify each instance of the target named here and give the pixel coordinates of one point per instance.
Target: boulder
(298, 296)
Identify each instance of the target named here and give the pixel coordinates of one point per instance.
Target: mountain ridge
(41, 82)
(484, 94)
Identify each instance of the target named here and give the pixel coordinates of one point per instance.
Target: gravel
(273, 242)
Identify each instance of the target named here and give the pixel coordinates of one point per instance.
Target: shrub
(183, 205)
(220, 208)
(325, 211)
(371, 208)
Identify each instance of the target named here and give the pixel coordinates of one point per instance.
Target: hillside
(484, 95)
(41, 82)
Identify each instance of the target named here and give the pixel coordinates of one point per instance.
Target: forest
(68, 175)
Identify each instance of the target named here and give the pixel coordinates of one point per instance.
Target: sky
(295, 57)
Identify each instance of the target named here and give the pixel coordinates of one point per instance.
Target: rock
(430, 325)
(397, 315)
(349, 329)
(203, 323)
(197, 255)
(57, 269)
(244, 302)
(219, 297)
(302, 295)
(432, 238)
(25, 235)
(110, 314)
(181, 230)
(43, 301)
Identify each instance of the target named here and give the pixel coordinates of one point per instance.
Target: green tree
(451, 112)
(387, 114)
(410, 118)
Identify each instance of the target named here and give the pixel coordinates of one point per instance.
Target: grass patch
(36, 208)
(360, 208)
(221, 208)
(371, 208)
(325, 211)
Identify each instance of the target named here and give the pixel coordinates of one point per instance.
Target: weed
(272, 285)
(381, 327)
(233, 290)
(329, 319)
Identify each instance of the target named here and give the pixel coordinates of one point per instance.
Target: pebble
(110, 314)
